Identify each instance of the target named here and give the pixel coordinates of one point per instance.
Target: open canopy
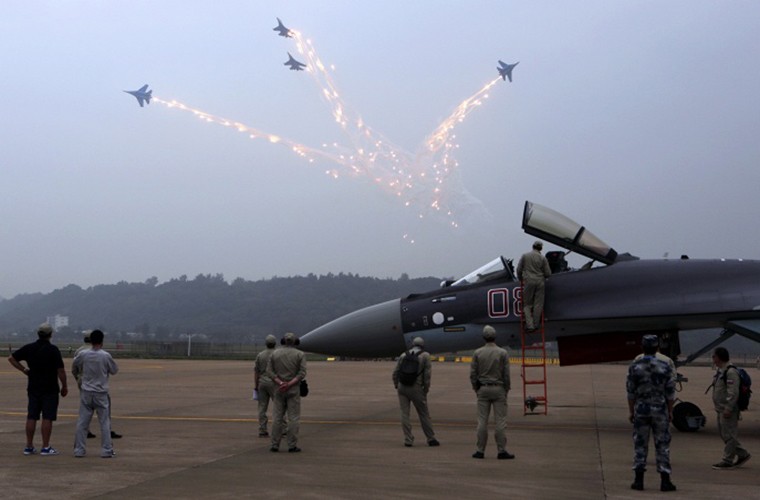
(545, 223)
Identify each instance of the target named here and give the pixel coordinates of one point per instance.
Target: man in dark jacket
(44, 368)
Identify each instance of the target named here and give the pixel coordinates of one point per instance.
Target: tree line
(239, 311)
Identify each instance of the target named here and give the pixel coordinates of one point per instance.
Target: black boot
(638, 482)
(665, 484)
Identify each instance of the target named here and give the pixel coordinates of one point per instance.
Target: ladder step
(533, 351)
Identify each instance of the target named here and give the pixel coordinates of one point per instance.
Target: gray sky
(638, 119)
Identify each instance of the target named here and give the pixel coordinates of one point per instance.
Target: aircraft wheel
(687, 417)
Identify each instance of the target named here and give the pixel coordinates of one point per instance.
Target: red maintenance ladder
(533, 366)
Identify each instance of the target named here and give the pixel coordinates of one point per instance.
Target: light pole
(189, 341)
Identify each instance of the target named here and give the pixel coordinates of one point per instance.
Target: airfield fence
(167, 349)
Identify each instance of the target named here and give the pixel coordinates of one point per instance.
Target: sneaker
(434, 442)
(505, 455)
(478, 454)
(90, 435)
(30, 450)
(742, 460)
(263, 434)
(115, 435)
(294, 449)
(408, 445)
(108, 454)
(274, 449)
(48, 451)
(723, 465)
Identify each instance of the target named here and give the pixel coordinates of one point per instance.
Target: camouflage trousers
(658, 425)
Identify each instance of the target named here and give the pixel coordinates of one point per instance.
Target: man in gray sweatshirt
(94, 366)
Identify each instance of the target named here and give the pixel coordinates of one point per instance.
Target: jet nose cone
(374, 331)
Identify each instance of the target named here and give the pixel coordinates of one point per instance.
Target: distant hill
(239, 311)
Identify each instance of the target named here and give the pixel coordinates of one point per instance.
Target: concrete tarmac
(190, 431)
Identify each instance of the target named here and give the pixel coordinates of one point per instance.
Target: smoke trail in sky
(427, 181)
(301, 150)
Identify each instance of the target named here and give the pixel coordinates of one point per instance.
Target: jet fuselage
(629, 296)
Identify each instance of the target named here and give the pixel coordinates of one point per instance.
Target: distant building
(57, 321)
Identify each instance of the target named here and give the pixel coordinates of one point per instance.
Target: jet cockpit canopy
(499, 268)
(552, 226)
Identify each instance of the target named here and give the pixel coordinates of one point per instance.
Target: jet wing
(143, 88)
(141, 101)
(749, 328)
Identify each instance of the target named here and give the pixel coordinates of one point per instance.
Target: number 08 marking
(498, 302)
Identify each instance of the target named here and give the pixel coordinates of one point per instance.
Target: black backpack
(745, 384)
(410, 366)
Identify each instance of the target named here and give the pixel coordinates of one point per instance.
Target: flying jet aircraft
(596, 314)
(282, 30)
(143, 95)
(505, 70)
(294, 65)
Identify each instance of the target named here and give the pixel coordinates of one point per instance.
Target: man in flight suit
(532, 271)
(415, 394)
(725, 398)
(287, 367)
(265, 387)
(489, 376)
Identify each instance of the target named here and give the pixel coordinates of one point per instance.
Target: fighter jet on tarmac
(282, 30)
(596, 314)
(142, 94)
(505, 70)
(294, 65)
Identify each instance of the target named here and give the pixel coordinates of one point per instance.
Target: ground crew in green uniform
(264, 385)
(415, 393)
(489, 376)
(532, 271)
(287, 367)
(651, 389)
(725, 397)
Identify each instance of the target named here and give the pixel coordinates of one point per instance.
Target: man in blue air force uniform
(651, 390)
